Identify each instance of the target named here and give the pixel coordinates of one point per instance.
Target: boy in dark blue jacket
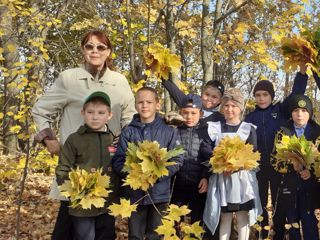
(268, 118)
(147, 125)
(299, 191)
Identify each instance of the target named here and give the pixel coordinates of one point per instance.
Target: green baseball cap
(101, 95)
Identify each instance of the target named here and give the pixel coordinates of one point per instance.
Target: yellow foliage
(290, 149)
(86, 189)
(160, 61)
(172, 220)
(124, 209)
(298, 49)
(233, 154)
(146, 162)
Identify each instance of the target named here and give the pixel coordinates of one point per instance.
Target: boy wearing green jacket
(90, 148)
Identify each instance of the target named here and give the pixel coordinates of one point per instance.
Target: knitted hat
(264, 85)
(235, 95)
(101, 95)
(215, 84)
(193, 101)
(300, 101)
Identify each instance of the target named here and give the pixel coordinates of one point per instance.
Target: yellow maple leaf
(124, 209)
(233, 154)
(166, 229)
(160, 61)
(175, 212)
(86, 189)
(194, 230)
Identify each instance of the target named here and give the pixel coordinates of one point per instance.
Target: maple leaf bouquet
(146, 162)
(294, 150)
(160, 61)
(86, 189)
(233, 154)
(304, 48)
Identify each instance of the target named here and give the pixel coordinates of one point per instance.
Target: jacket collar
(86, 129)
(137, 123)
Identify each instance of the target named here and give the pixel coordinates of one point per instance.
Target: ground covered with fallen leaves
(38, 212)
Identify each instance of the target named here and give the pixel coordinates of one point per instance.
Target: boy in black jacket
(299, 192)
(190, 184)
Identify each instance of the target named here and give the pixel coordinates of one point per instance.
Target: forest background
(234, 41)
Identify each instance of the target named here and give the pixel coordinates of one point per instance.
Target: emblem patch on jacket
(274, 115)
(112, 150)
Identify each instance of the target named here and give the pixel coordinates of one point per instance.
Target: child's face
(263, 99)
(147, 106)
(211, 97)
(300, 116)
(96, 115)
(191, 116)
(231, 111)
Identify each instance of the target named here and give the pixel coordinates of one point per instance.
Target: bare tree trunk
(206, 43)
(131, 44)
(10, 140)
(171, 35)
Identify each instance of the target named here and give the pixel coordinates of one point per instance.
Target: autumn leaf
(146, 162)
(291, 149)
(124, 209)
(167, 230)
(175, 212)
(233, 154)
(160, 61)
(86, 189)
(194, 230)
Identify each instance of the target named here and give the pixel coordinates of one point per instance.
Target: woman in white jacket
(66, 96)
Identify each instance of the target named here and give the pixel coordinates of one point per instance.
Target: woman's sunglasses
(91, 46)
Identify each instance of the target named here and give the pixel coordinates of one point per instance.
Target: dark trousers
(63, 227)
(101, 227)
(294, 214)
(266, 177)
(145, 220)
(192, 198)
(195, 201)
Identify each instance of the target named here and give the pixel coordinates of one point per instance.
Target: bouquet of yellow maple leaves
(146, 162)
(294, 150)
(304, 48)
(160, 61)
(233, 154)
(86, 189)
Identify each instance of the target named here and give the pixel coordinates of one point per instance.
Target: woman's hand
(227, 173)
(53, 146)
(203, 185)
(305, 174)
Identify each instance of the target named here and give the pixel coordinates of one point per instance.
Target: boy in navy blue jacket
(147, 125)
(299, 191)
(268, 118)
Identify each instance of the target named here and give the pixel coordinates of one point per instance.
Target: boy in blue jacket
(147, 125)
(268, 118)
